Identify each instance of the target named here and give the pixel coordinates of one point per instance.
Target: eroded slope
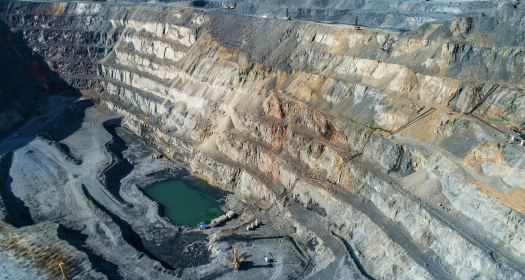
(295, 116)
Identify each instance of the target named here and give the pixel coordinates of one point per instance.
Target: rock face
(380, 153)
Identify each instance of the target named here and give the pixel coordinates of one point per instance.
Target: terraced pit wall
(249, 104)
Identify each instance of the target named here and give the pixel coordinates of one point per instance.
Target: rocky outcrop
(257, 106)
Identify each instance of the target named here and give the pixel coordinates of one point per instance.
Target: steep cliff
(375, 153)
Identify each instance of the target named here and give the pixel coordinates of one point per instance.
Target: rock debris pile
(393, 151)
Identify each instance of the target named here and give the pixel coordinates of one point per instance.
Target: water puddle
(187, 202)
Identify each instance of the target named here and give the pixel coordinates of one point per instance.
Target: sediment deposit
(388, 152)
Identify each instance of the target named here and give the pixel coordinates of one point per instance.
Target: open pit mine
(262, 139)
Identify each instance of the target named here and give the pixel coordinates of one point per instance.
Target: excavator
(63, 269)
(237, 263)
(356, 26)
(287, 16)
(232, 6)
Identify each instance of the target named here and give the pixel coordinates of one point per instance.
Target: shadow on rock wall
(31, 94)
(15, 212)
(32, 97)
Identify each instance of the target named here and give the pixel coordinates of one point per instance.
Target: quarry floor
(118, 220)
(85, 206)
(420, 204)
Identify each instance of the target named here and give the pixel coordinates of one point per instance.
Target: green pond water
(186, 202)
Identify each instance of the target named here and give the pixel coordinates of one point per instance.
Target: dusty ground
(99, 214)
(303, 121)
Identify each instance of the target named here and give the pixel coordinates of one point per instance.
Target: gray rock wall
(251, 103)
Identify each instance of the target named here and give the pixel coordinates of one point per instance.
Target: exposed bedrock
(380, 153)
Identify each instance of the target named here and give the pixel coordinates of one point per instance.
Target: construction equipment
(356, 26)
(237, 263)
(231, 6)
(63, 269)
(287, 17)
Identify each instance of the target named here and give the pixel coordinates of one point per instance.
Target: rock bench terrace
(391, 151)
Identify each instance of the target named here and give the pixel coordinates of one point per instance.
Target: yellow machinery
(287, 17)
(356, 26)
(232, 6)
(236, 262)
(63, 269)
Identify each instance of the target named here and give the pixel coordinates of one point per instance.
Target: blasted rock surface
(379, 153)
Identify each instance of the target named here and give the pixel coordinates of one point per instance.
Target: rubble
(391, 151)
